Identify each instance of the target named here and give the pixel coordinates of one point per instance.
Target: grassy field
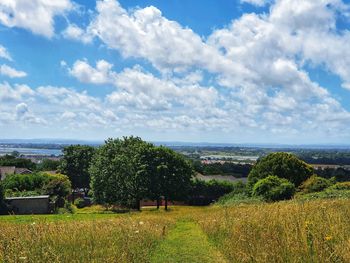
(312, 231)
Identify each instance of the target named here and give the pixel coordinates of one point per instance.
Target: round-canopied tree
(118, 172)
(125, 171)
(282, 165)
(75, 164)
(169, 173)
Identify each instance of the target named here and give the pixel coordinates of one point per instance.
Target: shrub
(26, 182)
(58, 188)
(340, 186)
(315, 184)
(40, 183)
(282, 165)
(68, 208)
(273, 188)
(204, 193)
(12, 193)
(80, 203)
(238, 198)
(59, 185)
(325, 194)
(9, 160)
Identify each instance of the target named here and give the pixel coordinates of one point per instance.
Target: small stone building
(29, 205)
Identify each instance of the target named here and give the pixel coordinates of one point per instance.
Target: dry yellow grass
(314, 231)
(119, 239)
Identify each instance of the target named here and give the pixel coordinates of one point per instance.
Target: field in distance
(293, 231)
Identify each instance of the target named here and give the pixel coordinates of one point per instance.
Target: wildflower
(33, 223)
(328, 238)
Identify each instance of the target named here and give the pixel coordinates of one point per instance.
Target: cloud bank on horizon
(276, 72)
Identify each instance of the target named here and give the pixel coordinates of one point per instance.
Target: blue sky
(243, 71)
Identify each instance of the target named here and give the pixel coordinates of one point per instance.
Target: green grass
(186, 242)
(289, 231)
(54, 218)
(325, 194)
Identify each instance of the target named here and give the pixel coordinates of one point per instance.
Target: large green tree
(48, 165)
(119, 172)
(75, 164)
(282, 165)
(170, 174)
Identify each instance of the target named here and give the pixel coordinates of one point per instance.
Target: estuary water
(31, 151)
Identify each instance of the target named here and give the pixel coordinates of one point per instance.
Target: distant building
(8, 170)
(29, 205)
(330, 166)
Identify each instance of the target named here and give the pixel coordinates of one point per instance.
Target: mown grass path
(186, 242)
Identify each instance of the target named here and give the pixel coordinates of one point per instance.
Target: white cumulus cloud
(11, 72)
(34, 15)
(4, 53)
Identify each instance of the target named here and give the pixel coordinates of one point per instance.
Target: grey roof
(28, 197)
(22, 171)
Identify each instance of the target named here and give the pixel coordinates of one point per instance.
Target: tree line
(125, 171)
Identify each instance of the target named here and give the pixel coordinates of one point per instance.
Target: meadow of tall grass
(122, 238)
(311, 231)
(293, 231)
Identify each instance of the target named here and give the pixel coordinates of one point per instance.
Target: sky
(223, 71)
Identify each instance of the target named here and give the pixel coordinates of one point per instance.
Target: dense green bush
(282, 165)
(315, 184)
(44, 183)
(204, 193)
(341, 174)
(240, 198)
(57, 186)
(79, 202)
(67, 208)
(25, 182)
(328, 193)
(226, 168)
(11, 193)
(273, 188)
(340, 186)
(9, 160)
